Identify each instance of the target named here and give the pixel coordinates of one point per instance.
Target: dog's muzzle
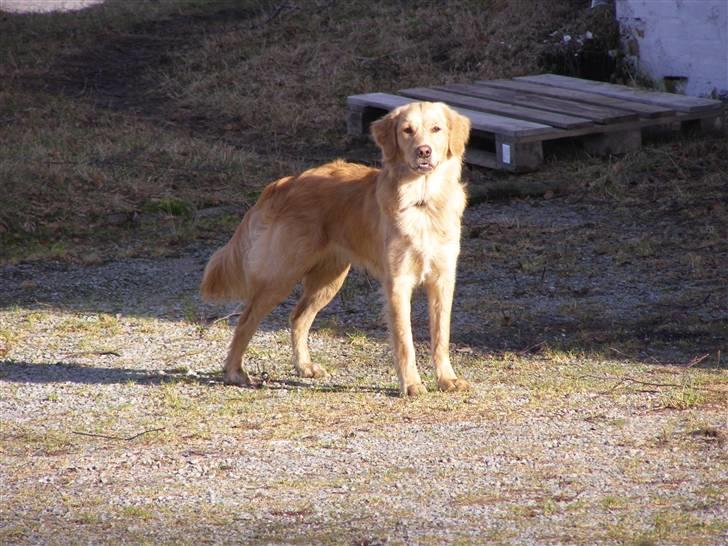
(423, 162)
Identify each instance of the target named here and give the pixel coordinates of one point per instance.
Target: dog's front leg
(399, 296)
(439, 299)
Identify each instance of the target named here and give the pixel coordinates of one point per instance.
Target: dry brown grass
(201, 103)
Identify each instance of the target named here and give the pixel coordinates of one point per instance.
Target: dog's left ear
(459, 130)
(384, 132)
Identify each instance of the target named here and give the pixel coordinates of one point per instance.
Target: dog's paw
(313, 371)
(453, 385)
(238, 379)
(416, 389)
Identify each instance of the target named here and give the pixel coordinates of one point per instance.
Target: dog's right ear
(384, 133)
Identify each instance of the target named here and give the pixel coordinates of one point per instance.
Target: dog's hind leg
(320, 285)
(256, 309)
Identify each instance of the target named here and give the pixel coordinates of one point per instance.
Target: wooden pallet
(511, 119)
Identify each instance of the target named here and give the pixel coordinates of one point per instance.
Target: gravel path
(584, 425)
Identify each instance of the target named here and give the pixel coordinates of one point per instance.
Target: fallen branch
(110, 437)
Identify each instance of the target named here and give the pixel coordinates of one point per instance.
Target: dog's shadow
(326, 386)
(61, 372)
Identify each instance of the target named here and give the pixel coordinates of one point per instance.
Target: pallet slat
(561, 121)
(642, 109)
(680, 103)
(597, 113)
(480, 121)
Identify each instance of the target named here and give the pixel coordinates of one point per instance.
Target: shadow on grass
(12, 371)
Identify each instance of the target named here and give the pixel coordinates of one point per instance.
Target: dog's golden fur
(402, 223)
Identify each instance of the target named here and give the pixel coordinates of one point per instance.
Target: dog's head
(422, 135)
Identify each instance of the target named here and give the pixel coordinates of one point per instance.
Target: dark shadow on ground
(495, 309)
(165, 289)
(24, 372)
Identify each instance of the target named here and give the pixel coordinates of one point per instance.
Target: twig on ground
(395, 53)
(697, 360)
(693, 362)
(531, 348)
(235, 313)
(283, 6)
(634, 357)
(622, 380)
(679, 169)
(622, 353)
(189, 353)
(93, 353)
(111, 437)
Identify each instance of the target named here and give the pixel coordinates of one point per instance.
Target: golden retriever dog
(400, 222)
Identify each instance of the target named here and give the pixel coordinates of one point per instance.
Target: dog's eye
(436, 129)
(409, 130)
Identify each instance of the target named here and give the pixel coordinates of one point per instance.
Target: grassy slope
(118, 122)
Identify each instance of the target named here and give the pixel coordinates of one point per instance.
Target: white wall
(679, 38)
(45, 6)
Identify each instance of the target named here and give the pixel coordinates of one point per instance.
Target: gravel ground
(598, 412)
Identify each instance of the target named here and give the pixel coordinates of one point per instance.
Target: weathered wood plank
(554, 119)
(643, 109)
(680, 103)
(384, 101)
(480, 121)
(594, 112)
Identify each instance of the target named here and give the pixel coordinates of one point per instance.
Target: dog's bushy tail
(224, 278)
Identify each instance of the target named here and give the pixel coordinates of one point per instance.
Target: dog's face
(421, 135)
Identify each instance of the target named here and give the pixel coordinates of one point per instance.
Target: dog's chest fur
(428, 221)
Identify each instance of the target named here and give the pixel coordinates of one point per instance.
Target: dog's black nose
(424, 151)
